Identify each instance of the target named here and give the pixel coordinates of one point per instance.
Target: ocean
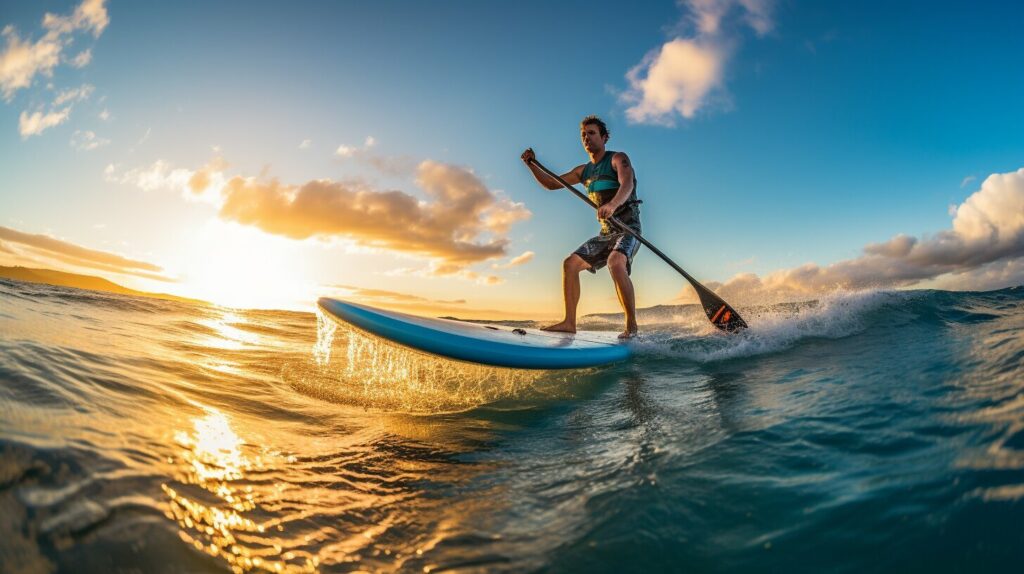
(864, 432)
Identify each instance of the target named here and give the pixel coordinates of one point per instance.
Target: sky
(259, 154)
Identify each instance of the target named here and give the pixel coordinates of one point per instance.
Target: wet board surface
(496, 345)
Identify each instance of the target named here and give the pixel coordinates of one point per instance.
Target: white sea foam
(772, 329)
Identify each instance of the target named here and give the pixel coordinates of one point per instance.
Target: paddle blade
(720, 313)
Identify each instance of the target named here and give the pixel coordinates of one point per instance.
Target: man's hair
(601, 128)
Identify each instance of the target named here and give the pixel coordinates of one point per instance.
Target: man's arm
(572, 177)
(624, 168)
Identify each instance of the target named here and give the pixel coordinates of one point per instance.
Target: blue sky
(821, 128)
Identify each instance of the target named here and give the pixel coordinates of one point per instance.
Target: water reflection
(222, 339)
(213, 504)
(225, 335)
(213, 449)
(359, 490)
(365, 495)
(994, 391)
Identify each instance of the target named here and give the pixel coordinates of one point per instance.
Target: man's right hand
(530, 159)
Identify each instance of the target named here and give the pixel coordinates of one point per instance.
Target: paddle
(720, 313)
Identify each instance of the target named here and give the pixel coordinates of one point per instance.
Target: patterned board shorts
(596, 250)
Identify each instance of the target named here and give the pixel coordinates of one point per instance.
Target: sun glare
(241, 267)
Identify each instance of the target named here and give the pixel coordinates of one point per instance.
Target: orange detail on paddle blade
(717, 313)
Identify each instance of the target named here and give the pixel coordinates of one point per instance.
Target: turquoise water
(878, 431)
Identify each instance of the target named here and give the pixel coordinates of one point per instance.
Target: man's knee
(574, 264)
(617, 262)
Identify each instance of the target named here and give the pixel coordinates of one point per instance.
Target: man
(611, 184)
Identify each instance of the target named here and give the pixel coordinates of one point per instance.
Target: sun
(241, 267)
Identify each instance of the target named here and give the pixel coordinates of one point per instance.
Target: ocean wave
(171, 436)
(780, 327)
(775, 328)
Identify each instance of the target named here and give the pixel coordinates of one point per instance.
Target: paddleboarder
(611, 184)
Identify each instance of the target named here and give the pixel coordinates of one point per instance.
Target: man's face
(593, 141)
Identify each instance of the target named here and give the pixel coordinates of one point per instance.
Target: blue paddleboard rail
(477, 343)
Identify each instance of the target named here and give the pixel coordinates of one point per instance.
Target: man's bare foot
(628, 334)
(563, 327)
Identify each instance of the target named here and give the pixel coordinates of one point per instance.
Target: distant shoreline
(89, 282)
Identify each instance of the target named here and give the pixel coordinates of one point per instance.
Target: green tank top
(602, 182)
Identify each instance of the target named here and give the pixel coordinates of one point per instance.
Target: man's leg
(571, 268)
(624, 287)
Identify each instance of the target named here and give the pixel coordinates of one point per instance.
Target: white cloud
(87, 141)
(680, 78)
(82, 59)
(996, 275)
(160, 176)
(104, 115)
(983, 249)
(758, 15)
(674, 80)
(204, 184)
(21, 61)
(89, 15)
(352, 151)
(399, 166)
(990, 221)
(38, 122)
(305, 144)
(73, 95)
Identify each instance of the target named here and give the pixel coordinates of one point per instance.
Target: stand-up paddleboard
(487, 344)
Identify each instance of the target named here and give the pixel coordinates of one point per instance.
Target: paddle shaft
(615, 221)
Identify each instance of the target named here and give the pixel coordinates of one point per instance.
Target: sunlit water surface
(874, 431)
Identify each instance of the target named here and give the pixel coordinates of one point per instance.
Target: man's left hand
(607, 210)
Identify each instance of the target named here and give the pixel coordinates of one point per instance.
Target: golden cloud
(459, 224)
(382, 294)
(70, 253)
(516, 261)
